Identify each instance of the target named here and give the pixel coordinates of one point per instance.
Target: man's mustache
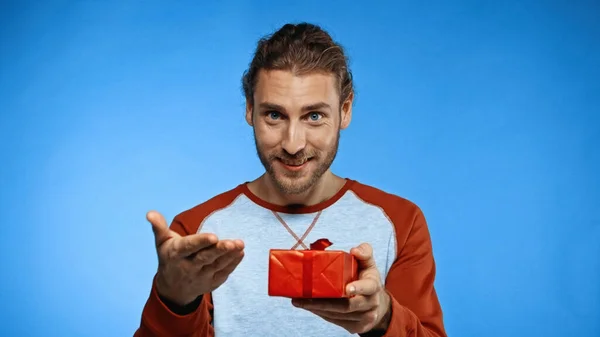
(298, 156)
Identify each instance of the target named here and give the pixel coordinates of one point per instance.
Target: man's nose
(294, 140)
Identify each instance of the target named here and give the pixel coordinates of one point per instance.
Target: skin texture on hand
(368, 308)
(191, 265)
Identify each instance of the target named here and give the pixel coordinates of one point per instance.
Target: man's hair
(300, 48)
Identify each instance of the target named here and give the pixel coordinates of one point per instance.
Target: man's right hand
(191, 265)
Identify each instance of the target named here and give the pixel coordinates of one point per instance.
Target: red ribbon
(320, 244)
(307, 265)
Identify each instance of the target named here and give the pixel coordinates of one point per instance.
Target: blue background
(483, 113)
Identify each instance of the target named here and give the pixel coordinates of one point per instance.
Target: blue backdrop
(483, 113)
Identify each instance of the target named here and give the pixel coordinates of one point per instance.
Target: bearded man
(299, 94)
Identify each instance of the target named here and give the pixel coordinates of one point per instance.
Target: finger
(364, 256)
(160, 228)
(223, 261)
(356, 316)
(209, 255)
(221, 276)
(239, 244)
(367, 286)
(341, 305)
(366, 262)
(353, 327)
(190, 244)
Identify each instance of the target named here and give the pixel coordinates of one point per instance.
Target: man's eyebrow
(310, 107)
(271, 106)
(316, 106)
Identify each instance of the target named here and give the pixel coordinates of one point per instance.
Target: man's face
(297, 122)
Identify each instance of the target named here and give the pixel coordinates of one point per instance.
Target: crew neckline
(297, 210)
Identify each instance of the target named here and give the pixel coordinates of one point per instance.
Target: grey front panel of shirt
(242, 305)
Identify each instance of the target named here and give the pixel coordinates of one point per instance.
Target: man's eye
(274, 114)
(315, 116)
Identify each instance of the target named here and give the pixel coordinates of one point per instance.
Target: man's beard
(295, 187)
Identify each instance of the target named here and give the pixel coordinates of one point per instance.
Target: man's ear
(346, 111)
(249, 113)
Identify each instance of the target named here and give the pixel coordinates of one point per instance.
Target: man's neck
(327, 187)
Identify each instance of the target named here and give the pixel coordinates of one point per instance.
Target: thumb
(160, 228)
(364, 256)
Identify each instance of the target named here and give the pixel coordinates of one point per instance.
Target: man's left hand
(369, 306)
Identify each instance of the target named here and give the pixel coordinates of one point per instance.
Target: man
(213, 260)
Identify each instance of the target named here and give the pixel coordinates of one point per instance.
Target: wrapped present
(311, 273)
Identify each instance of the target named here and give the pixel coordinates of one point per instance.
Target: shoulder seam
(218, 210)
(192, 218)
(391, 223)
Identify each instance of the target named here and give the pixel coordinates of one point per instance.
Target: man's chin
(293, 185)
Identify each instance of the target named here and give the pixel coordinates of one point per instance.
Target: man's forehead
(286, 88)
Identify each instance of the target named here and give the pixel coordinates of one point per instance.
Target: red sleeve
(158, 320)
(416, 311)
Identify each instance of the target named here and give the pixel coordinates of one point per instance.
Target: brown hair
(301, 48)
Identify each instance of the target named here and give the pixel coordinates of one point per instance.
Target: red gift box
(311, 273)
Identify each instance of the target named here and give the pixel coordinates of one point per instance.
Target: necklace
(299, 241)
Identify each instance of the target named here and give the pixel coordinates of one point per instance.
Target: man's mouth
(293, 165)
